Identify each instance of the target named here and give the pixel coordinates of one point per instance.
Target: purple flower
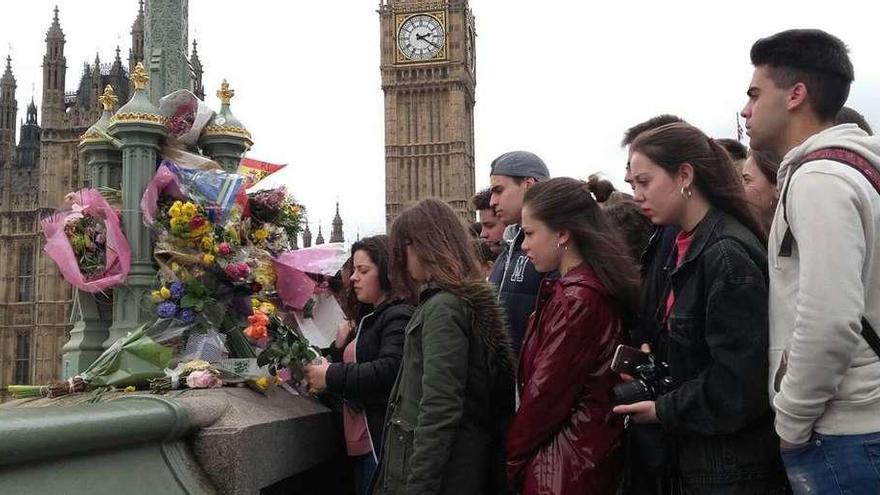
(186, 315)
(177, 289)
(166, 309)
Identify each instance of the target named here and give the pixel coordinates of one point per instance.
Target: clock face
(421, 37)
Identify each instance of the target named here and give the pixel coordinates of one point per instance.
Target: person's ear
(797, 96)
(686, 175)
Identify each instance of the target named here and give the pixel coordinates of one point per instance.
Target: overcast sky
(561, 78)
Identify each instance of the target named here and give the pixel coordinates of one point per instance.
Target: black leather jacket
(715, 340)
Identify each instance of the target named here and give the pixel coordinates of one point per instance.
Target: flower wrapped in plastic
(87, 243)
(187, 116)
(275, 219)
(213, 190)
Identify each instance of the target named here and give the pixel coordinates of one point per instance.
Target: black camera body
(650, 380)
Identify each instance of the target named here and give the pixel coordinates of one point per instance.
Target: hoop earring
(686, 192)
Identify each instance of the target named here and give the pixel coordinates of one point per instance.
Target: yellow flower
(196, 365)
(255, 303)
(175, 267)
(262, 383)
(164, 293)
(177, 221)
(189, 209)
(156, 296)
(207, 258)
(267, 307)
(130, 388)
(261, 234)
(207, 243)
(175, 211)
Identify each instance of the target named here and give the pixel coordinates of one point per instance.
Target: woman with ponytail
(712, 323)
(564, 438)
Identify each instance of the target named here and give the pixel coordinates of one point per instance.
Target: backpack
(857, 162)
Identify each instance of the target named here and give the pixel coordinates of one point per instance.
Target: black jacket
(718, 416)
(379, 349)
(517, 282)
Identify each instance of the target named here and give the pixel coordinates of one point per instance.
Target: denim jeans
(835, 464)
(364, 467)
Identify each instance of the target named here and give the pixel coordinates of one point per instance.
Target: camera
(650, 380)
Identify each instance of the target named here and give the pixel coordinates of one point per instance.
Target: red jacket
(564, 438)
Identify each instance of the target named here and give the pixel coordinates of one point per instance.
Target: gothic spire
(55, 32)
(8, 78)
(336, 234)
(320, 238)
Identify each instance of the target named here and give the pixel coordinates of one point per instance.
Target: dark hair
(813, 57)
(654, 122)
(601, 188)
(672, 145)
(635, 228)
(564, 203)
(480, 201)
(376, 248)
(474, 229)
(734, 148)
(443, 245)
(484, 253)
(848, 115)
(767, 162)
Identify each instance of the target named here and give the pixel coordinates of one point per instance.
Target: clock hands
(424, 37)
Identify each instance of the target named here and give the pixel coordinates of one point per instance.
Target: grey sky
(560, 78)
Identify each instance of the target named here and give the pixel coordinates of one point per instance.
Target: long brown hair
(441, 242)
(672, 145)
(564, 203)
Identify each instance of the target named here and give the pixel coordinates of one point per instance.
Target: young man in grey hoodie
(516, 279)
(824, 255)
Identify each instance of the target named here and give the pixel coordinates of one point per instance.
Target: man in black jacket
(516, 279)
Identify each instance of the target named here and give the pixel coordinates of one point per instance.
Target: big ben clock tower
(428, 77)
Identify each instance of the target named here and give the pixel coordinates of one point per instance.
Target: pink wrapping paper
(293, 285)
(58, 247)
(164, 182)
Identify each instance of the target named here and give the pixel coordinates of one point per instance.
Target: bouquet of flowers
(274, 213)
(87, 243)
(186, 114)
(286, 349)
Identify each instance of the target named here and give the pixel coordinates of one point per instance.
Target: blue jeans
(364, 467)
(835, 464)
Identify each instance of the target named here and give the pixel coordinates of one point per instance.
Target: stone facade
(35, 176)
(429, 103)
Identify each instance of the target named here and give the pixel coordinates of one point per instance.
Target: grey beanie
(520, 164)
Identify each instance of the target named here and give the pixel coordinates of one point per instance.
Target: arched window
(25, 274)
(22, 358)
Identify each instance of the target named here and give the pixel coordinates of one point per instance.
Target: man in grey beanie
(511, 175)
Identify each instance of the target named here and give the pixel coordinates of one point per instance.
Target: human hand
(315, 375)
(640, 412)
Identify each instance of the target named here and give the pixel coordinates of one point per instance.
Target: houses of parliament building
(36, 173)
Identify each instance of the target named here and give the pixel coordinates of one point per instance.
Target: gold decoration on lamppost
(109, 98)
(224, 93)
(139, 77)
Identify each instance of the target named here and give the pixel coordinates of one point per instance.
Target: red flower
(196, 222)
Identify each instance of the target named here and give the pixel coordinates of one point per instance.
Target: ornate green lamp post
(225, 138)
(140, 128)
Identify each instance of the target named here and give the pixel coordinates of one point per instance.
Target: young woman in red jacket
(564, 438)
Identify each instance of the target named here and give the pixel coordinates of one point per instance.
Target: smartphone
(626, 359)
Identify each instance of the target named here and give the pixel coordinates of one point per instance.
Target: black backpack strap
(871, 336)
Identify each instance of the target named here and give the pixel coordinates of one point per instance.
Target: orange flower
(256, 332)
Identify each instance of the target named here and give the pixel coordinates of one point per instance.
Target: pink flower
(224, 248)
(203, 379)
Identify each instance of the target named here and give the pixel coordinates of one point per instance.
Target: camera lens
(631, 392)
